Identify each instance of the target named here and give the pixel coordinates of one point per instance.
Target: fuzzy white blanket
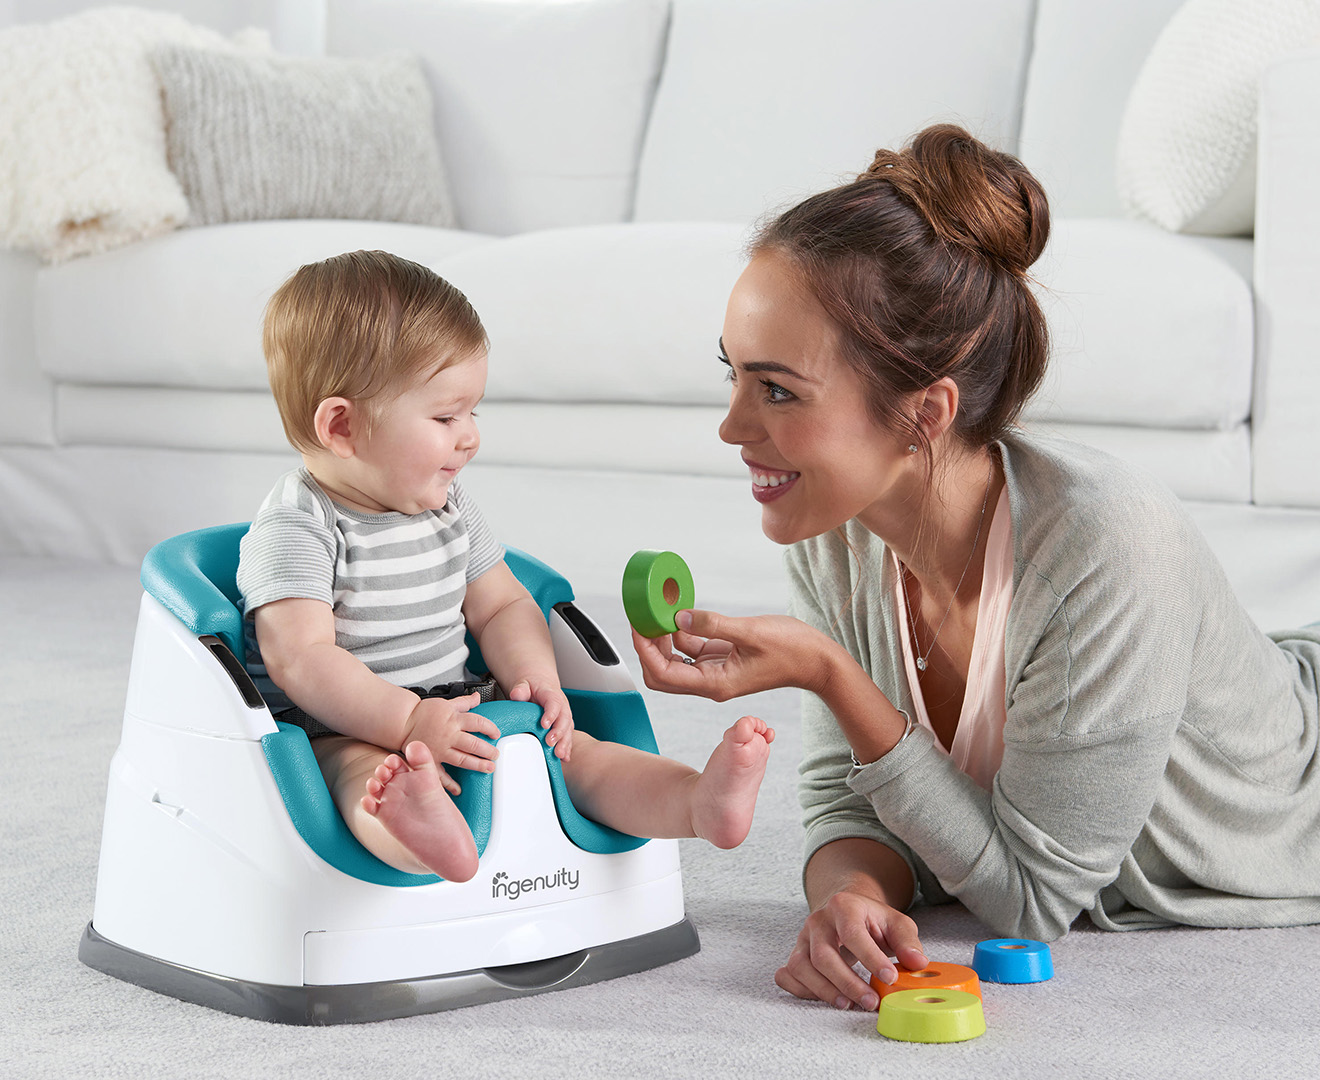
(82, 136)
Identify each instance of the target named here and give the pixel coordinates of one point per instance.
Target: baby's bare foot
(408, 798)
(724, 796)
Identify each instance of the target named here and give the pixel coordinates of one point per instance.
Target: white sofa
(606, 158)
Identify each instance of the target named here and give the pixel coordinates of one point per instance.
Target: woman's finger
(785, 979)
(702, 648)
(864, 932)
(653, 653)
(826, 959)
(803, 979)
(663, 670)
(903, 941)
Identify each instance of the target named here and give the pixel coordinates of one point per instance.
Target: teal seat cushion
(614, 717)
(192, 577)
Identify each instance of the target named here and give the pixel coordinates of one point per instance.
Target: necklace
(921, 660)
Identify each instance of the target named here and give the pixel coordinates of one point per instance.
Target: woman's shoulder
(1077, 474)
(1077, 509)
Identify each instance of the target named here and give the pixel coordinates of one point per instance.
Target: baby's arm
(297, 641)
(515, 642)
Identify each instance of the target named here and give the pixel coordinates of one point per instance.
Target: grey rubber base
(364, 1002)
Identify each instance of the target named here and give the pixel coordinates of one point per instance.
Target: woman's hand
(733, 656)
(849, 927)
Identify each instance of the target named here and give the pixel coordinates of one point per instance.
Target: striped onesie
(396, 582)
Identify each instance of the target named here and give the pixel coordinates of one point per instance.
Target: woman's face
(798, 412)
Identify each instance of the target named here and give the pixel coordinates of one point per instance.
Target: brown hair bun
(972, 196)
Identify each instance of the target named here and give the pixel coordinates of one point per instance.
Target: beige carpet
(1180, 1003)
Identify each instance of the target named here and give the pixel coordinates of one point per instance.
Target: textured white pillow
(82, 140)
(256, 138)
(1187, 145)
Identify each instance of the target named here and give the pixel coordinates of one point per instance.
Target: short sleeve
(484, 551)
(287, 553)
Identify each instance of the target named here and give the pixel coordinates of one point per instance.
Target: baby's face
(422, 438)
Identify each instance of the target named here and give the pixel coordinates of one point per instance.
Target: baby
(364, 568)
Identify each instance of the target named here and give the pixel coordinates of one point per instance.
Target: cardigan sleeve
(1098, 660)
(830, 809)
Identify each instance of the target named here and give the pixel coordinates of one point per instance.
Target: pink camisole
(978, 742)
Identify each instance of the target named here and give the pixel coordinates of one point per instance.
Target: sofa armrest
(1286, 393)
(27, 397)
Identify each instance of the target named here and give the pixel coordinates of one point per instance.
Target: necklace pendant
(921, 663)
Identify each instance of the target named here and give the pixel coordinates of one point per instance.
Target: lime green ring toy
(930, 1016)
(657, 585)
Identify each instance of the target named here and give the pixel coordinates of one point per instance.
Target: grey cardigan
(1160, 758)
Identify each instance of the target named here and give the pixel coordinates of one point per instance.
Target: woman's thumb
(705, 624)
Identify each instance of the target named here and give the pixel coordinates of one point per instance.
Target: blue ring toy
(1013, 960)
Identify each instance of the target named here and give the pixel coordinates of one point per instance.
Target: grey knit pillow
(254, 137)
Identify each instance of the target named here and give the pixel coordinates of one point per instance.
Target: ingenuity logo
(512, 888)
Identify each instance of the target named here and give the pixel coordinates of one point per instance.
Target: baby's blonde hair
(363, 326)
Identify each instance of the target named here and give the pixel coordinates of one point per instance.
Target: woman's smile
(769, 483)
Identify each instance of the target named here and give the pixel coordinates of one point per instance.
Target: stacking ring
(688, 660)
(657, 585)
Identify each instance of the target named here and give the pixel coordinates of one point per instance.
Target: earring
(912, 448)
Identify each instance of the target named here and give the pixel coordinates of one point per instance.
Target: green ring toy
(930, 1016)
(657, 585)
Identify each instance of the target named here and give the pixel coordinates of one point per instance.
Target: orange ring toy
(934, 976)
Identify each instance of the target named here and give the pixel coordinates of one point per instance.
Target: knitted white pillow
(82, 139)
(266, 137)
(1186, 155)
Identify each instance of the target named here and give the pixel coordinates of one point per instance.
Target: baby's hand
(555, 713)
(450, 731)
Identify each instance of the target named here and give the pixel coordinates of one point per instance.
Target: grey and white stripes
(395, 582)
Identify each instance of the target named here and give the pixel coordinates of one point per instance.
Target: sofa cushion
(762, 102)
(185, 309)
(623, 313)
(1147, 328)
(539, 108)
(1085, 60)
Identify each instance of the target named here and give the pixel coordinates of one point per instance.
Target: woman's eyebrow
(766, 365)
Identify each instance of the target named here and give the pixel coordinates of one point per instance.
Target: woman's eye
(774, 393)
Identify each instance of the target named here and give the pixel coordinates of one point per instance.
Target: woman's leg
(647, 795)
(398, 809)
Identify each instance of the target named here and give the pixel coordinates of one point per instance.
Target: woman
(1029, 686)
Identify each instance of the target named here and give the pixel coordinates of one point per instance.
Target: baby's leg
(398, 809)
(647, 795)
